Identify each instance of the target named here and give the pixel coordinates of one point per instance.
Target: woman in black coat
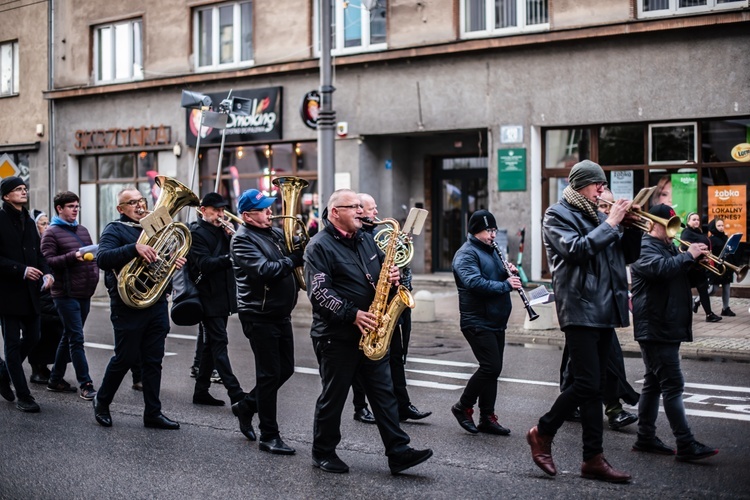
(718, 239)
(698, 279)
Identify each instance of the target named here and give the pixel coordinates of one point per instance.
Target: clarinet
(524, 298)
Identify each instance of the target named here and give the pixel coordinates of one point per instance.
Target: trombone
(718, 268)
(646, 220)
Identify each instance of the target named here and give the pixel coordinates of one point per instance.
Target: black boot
(39, 374)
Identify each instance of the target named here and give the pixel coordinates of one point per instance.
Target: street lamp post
(326, 115)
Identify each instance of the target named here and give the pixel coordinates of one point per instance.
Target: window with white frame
(672, 143)
(356, 26)
(661, 8)
(223, 35)
(118, 49)
(8, 68)
(500, 17)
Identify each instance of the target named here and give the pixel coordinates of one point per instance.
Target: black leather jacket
(209, 259)
(661, 293)
(587, 262)
(483, 292)
(266, 288)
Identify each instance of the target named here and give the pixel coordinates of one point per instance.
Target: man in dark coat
(587, 254)
(484, 287)
(139, 333)
(24, 273)
(662, 321)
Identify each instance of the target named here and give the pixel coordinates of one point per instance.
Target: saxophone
(375, 342)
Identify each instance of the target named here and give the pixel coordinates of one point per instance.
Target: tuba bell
(290, 188)
(140, 283)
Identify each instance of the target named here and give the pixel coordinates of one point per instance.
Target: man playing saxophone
(139, 333)
(341, 272)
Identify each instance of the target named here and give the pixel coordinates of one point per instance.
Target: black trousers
(339, 360)
(589, 350)
(215, 354)
(139, 334)
(488, 347)
(17, 347)
(273, 347)
(45, 350)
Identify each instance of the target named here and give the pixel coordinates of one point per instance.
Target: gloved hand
(296, 257)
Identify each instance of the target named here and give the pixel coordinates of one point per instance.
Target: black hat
(584, 173)
(662, 211)
(10, 183)
(214, 200)
(481, 220)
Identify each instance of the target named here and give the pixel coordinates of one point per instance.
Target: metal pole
(221, 155)
(197, 148)
(326, 115)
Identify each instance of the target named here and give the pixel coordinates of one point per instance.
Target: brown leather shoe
(541, 450)
(598, 468)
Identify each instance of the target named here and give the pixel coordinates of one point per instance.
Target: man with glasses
(342, 267)
(24, 273)
(139, 333)
(484, 302)
(266, 295)
(75, 284)
(587, 253)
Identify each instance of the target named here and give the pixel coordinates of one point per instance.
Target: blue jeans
(73, 313)
(663, 377)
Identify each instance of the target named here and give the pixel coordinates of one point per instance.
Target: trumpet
(718, 269)
(226, 221)
(646, 220)
(741, 271)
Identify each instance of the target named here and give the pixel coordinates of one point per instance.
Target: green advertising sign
(684, 194)
(511, 169)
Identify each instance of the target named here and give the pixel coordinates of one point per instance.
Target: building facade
(449, 105)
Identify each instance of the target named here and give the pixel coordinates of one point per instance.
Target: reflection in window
(566, 147)
(673, 143)
(621, 145)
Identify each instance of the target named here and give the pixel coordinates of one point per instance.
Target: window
(661, 8)
(672, 143)
(356, 26)
(498, 17)
(223, 35)
(119, 52)
(8, 68)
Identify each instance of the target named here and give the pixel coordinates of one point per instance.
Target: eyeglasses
(20, 189)
(600, 185)
(492, 231)
(133, 203)
(73, 207)
(353, 207)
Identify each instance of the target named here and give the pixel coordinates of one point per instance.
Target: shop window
(223, 35)
(356, 25)
(566, 147)
(660, 8)
(621, 145)
(718, 137)
(9, 80)
(672, 143)
(118, 52)
(497, 17)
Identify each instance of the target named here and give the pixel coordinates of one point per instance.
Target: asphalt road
(62, 452)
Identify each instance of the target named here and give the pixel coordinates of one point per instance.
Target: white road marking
(108, 347)
(181, 336)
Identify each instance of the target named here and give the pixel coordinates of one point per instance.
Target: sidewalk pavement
(727, 339)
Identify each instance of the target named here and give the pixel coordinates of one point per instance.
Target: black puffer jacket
(587, 262)
(337, 286)
(266, 287)
(698, 276)
(483, 292)
(209, 258)
(73, 278)
(718, 239)
(661, 293)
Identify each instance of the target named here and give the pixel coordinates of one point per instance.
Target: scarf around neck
(57, 221)
(582, 203)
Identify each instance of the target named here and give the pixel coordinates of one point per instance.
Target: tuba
(139, 283)
(375, 342)
(290, 188)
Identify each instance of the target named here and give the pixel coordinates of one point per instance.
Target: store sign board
(621, 184)
(511, 169)
(684, 194)
(262, 124)
(730, 204)
(122, 138)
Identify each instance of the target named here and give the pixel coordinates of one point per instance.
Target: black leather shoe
(27, 404)
(101, 413)
(38, 378)
(160, 422)
(694, 451)
(331, 463)
(411, 412)
(696, 305)
(207, 399)
(621, 420)
(61, 386)
(653, 445)
(407, 459)
(713, 318)
(365, 416)
(575, 416)
(5, 391)
(245, 416)
(138, 386)
(489, 425)
(463, 415)
(276, 446)
(727, 312)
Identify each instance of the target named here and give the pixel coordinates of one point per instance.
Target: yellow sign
(7, 167)
(741, 152)
(729, 203)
